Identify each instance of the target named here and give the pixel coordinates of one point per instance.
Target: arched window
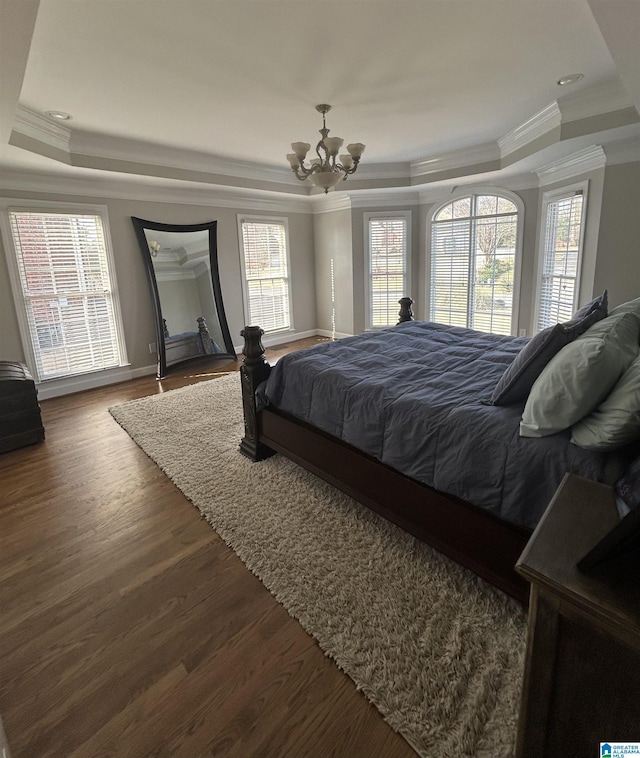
(474, 241)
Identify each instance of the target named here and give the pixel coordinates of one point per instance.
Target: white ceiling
(222, 87)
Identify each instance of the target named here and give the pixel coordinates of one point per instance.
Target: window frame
(548, 198)
(284, 221)
(9, 205)
(405, 215)
(517, 269)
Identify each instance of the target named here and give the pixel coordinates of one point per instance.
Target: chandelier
(325, 171)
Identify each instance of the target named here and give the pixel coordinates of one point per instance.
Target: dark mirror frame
(140, 225)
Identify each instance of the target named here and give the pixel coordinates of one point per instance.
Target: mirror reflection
(182, 267)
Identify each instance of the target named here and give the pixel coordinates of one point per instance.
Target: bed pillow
(616, 421)
(580, 376)
(600, 304)
(516, 382)
(632, 306)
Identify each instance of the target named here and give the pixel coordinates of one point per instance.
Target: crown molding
(346, 200)
(175, 276)
(59, 184)
(582, 162)
(544, 121)
(468, 156)
(237, 183)
(91, 145)
(606, 97)
(385, 199)
(623, 151)
(336, 201)
(42, 129)
(200, 269)
(516, 183)
(383, 171)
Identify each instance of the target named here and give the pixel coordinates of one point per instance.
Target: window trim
(9, 205)
(484, 189)
(367, 217)
(549, 197)
(250, 218)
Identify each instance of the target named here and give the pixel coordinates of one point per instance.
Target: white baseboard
(68, 385)
(332, 335)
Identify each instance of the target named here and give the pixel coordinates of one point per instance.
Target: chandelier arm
(306, 172)
(323, 159)
(349, 171)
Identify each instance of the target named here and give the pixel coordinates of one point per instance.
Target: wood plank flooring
(128, 628)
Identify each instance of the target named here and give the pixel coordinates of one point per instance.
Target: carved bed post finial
(254, 370)
(406, 314)
(205, 337)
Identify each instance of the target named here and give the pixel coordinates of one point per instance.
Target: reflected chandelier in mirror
(182, 267)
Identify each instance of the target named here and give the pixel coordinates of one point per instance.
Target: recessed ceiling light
(60, 115)
(570, 79)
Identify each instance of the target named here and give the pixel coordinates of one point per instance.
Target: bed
(179, 347)
(402, 420)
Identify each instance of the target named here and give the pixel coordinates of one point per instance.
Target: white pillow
(616, 421)
(631, 306)
(580, 376)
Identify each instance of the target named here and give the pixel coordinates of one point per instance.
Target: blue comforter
(412, 397)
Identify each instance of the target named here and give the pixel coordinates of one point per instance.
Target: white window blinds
(264, 246)
(473, 253)
(561, 255)
(67, 293)
(387, 269)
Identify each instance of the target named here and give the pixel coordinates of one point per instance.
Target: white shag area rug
(438, 651)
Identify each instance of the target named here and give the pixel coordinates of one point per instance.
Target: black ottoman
(20, 421)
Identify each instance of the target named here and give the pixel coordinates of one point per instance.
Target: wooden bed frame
(190, 345)
(469, 535)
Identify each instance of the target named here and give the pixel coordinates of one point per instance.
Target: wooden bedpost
(205, 337)
(406, 314)
(254, 370)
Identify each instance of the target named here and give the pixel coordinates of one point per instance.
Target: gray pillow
(600, 303)
(516, 382)
(616, 421)
(580, 376)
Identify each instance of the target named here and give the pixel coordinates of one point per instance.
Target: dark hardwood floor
(128, 628)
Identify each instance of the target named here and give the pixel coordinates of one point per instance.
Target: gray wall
(135, 299)
(612, 242)
(333, 241)
(180, 304)
(618, 262)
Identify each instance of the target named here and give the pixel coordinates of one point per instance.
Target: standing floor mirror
(182, 267)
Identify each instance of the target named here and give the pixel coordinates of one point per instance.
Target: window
(473, 263)
(62, 275)
(265, 264)
(560, 255)
(387, 280)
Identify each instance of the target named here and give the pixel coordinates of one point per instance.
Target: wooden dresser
(582, 673)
